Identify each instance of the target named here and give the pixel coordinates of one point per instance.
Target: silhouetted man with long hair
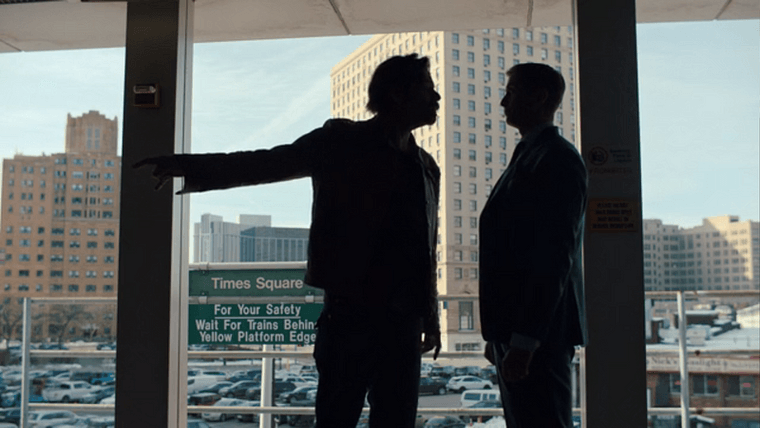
(371, 244)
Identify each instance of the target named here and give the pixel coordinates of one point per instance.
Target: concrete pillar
(615, 366)
(151, 358)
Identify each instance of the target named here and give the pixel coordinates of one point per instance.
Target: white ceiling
(69, 24)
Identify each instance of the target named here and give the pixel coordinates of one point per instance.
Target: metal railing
(685, 410)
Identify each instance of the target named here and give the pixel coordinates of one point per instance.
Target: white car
(67, 392)
(197, 383)
(297, 380)
(462, 383)
(51, 418)
(224, 402)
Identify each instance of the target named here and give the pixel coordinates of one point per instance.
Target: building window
(457, 204)
(457, 273)
(457, 137)
(73, 288)
(457, 154)
(90, 288)
(470, 57)
(455, 38)
(456, 103)
(56, 287)
(473, 172)
(705, 384)
(473, 205)
(466, 319)
(457, 120)
(471, 122)
(457, 221)
(470, 41)
(455, 70)
(742, 386)
(472, 155)
(675, 383)
(455, 87)
(471, 105)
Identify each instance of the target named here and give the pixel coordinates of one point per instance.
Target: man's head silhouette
(401, 86)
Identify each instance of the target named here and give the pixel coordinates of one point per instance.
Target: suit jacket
(531, 229)
(353, 180)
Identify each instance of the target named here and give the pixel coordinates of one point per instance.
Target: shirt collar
(533, 133)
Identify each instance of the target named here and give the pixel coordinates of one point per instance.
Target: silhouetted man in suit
(371, 243)
(531, 284)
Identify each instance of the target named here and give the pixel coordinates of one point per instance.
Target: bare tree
(10, 318)
(62, 316)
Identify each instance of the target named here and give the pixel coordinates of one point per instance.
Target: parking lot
(443, 401)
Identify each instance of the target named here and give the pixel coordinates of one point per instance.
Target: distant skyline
(699, 113)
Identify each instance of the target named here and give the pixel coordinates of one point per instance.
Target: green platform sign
(246, 323)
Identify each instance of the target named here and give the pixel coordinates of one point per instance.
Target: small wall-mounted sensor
(146, 96)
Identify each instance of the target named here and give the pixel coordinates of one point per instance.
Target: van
(473, 396)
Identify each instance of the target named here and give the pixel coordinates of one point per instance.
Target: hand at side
(515, 364)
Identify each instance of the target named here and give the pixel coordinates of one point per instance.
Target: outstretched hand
(431, 340)
(164, 168)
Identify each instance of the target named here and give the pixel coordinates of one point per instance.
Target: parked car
(444, 422)
(489, 372)
(203, 399)
(215, 387)
(485, 404)
(298, 380)
(200, 382)
(467, 370)
(67, 392)
(239, 375)
(98, 394)
(106, 346)
(51, 418)
(432, 385)
(12, 415)
(237, 389)
(94, 377)
(197, 423)
(298, 396)
(473, 396)
(445, 372)
(462, 383)
(278, 387)
(249, 417)
(90, 422)
(224, 402)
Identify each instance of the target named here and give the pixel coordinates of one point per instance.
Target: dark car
(298, 396)
(197, 423)
(432, 385)
(489, 372)
(253, 374)
(444, 422)
(202, 399)
(238, 389)
(279, 386)
(12, 415)
(249, 417)
(485, 404)
(215, 387)
(444, 372)
(467, 371)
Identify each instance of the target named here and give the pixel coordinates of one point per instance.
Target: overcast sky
(699, 107)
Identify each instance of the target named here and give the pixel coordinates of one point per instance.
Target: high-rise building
(60, 223)
(251, 239)
(471, 140)
(721, 254)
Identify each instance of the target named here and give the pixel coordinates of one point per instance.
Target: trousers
(544, 398)
(367, 354)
